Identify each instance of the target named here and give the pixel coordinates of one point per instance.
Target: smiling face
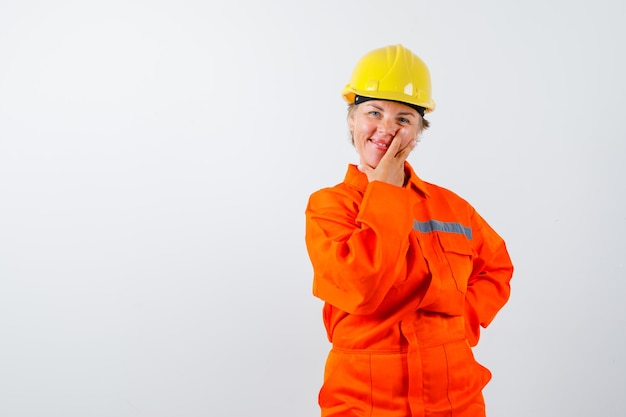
(375, 123)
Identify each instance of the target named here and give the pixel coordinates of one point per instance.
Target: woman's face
(375, 123)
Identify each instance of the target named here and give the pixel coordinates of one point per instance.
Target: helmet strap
(361, 99)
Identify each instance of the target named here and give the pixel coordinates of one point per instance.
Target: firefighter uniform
(408, 276)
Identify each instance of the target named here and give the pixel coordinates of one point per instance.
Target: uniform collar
(357, 179)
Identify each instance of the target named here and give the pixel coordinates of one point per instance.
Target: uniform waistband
(420, 330)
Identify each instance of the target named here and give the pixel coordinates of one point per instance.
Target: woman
(408, 270)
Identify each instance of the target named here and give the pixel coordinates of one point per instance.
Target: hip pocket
(368, 384)
(346, 385)
(453, 380)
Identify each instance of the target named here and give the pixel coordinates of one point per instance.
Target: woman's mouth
(382, 145)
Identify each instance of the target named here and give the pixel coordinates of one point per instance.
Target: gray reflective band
(437, 226)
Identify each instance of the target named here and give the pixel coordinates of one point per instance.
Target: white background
(156, 158)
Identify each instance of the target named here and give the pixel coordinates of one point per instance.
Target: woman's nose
(386, 126)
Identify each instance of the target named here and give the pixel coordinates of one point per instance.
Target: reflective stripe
(437, 226)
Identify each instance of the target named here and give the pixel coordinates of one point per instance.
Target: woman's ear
(351, 122)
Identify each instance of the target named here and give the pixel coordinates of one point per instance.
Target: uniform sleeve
(489, 285)
(357, 248)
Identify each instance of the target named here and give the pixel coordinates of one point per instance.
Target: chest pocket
(458, 254)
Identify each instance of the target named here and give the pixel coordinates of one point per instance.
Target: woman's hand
(390, 169)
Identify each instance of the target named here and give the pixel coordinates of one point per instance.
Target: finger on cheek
(400, 132)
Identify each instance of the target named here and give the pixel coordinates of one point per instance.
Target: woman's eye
(374, 113)
(403, 120)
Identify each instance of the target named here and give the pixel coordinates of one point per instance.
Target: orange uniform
(408, 275)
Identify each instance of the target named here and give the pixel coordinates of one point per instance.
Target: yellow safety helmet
(391, 73)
